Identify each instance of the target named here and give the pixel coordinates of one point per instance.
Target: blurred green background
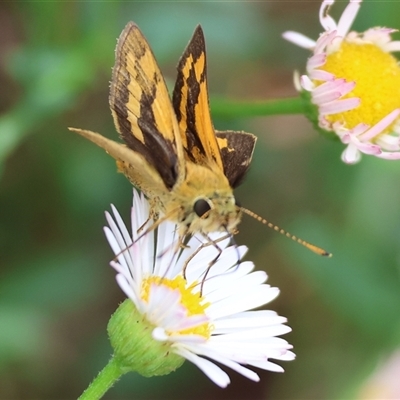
(57, 291)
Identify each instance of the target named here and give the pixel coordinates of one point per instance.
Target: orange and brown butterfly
(172, 152)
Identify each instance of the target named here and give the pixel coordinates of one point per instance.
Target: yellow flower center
(192, 301)
(377, 77)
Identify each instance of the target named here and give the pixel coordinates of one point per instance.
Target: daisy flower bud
(190, 304)
(353, 81)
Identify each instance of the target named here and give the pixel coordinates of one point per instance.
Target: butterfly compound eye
(201, 206)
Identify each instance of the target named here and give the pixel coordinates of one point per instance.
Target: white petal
(139, 214)
(261, 295)
(121, 225)
(215, 355)
(351, 154)
(215, 373)
(227, 263)
(268, 366)
(125, 286)
(159, 334)
(187, 340)
(115, 244)
(306, 83)
(243, 285)
(163, 305)
(389, 142)
(247, 320)
(299, 39)
(189, 322)
(222, 282)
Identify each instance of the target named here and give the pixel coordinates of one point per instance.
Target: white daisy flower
(201, 315)
(351, 80)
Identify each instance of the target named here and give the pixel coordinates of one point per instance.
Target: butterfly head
(216, 212)
(203, 202)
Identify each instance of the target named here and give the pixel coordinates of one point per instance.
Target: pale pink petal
(324, 40)
(318, 60)
(347, 18)
(320, 75)
(367, 148)
(380, 126)
(389, 156)
(345, 138)
(339, 106)
(392, 46)
(359, 129)
(328, 86)
(332, 90)
(327, 22)
(346, 87)
(326, 97)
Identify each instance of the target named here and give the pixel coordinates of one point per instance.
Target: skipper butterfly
(172, 152)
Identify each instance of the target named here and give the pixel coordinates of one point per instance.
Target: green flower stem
(103, 381)
(238, 109)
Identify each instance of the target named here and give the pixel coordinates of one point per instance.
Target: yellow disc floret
(377, 77)
(191, 300)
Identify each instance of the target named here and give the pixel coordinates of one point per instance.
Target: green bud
(134, 347)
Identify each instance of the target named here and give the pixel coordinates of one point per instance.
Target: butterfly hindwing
(142, 109)
(236, 151)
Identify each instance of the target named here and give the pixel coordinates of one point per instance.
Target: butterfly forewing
(190, 100)
(141, 107)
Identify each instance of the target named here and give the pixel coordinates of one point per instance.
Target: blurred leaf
(52, 82)
(22, 334)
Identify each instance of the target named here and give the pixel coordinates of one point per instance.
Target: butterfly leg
(153, 214)
(210, 242)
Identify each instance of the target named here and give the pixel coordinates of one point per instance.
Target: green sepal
(134, 347)
(312, 113)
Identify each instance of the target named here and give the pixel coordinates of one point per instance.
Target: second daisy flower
(353, 81)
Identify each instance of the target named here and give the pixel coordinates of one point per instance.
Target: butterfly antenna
(276, 228)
